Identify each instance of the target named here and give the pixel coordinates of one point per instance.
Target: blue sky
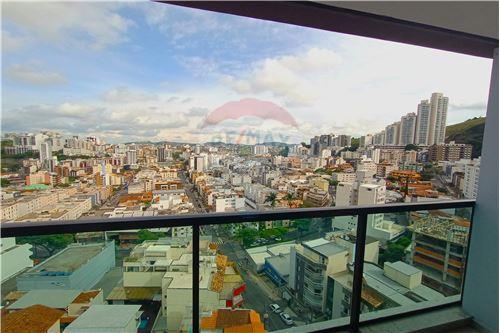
(144, 70)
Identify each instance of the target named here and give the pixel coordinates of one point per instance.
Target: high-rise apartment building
(132, 157)
(260, 150)
(423, 121)
(392, 134)
(379, 138)
(408, 127)
(431, 120)
(439, 111)
(160, 154)
(366, 140)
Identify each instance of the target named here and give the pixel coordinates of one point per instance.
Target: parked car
(286, 318)
(275, 308)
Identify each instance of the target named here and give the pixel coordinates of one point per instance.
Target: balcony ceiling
(474, 17)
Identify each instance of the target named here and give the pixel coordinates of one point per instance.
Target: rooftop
(68, 260)
(34, 319)
(54, 298)
(106, 318)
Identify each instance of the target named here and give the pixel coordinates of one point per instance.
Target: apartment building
(396, 284)
(439, 245)
(313, 261)
(408, 127)
(450, 152)
(471, 179)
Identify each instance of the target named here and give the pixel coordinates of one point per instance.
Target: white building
(132, 157)
(260, 150)
(15, 258)
(471, 179)
(408, 126)
(392, 134)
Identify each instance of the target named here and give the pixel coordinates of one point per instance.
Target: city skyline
(151, 74)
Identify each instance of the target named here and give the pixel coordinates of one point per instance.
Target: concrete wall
(481, 282)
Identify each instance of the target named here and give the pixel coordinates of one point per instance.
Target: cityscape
(264, 276)
(122, 120)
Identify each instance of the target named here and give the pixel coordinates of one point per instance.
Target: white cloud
(34, 76)
(68, 24)
(11, 43)
(125, 95)
(291, 77)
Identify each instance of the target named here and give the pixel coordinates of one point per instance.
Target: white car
(286, 318)
(275, 308)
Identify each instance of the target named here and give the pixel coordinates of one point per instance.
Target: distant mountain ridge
(470, 132)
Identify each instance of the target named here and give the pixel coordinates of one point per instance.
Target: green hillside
(469, 131)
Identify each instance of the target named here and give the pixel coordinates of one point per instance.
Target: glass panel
(421, 263)
(144, 275)
(285, 273)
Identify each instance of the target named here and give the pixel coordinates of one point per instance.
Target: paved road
(256, 296)
(192, 194)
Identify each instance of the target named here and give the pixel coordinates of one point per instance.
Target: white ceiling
(475, 17)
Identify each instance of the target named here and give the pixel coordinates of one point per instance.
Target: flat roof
(403, 267)
(54, 298)
(108, 318)
(281, 264)
(70, 259)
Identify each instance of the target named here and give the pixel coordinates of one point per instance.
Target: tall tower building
(392, 134)
(160, 154)
(132, 157)
(423, 121)
(439, 112)
(408, 127)
(46, 154)
(431, 120)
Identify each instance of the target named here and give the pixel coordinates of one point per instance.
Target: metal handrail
(15, 229)
(12, 229)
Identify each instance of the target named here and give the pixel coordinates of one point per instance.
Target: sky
(139, 71)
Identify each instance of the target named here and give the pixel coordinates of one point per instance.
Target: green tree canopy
(51, 243)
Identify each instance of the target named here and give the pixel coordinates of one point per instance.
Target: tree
(395, 250)
(145, 234)
(354, 144)
(271, 198)
(247, 235)
(411, 146)
(427, 172)
(289, 197)
(305, 145)
(284, 152)
(333, 183)
(4, 182)
(51, 243)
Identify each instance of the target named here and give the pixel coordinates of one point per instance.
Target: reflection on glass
(140, 277)
(422, 258)
(281, 273)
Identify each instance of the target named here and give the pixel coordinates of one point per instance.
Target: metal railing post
(357, 282)
(196, 278)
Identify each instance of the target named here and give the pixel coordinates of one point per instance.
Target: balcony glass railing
(250, 272)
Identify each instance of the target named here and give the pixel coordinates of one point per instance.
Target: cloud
(89, 25)
(125, 95)
(34, 76)
(11, 43)
(468, 106)
(197, 112)
(290, 77)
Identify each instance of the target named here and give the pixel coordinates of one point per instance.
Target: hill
(469, 131)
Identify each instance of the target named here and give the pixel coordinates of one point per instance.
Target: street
(192, 194)
(256, 296)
